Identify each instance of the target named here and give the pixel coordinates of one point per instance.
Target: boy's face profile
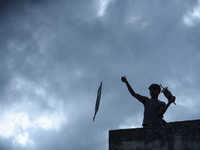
(154, 92)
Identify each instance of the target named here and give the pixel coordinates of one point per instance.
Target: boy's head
(154, 90)
(154, 86)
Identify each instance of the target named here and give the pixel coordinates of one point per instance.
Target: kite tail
(93, 118)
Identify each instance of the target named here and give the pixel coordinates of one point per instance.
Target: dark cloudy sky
(55, 53)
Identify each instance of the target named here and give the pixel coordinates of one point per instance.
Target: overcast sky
(55, 53)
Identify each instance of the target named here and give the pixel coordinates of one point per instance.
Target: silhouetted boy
(153, 108)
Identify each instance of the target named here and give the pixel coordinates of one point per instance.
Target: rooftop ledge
(183, 135)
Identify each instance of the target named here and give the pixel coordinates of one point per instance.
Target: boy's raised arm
(137, 96)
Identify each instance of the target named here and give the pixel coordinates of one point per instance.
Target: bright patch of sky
(103, 4)
(192, 17)
(17, 125)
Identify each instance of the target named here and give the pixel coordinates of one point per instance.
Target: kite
(97, 101)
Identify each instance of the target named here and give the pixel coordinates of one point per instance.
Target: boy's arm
(137, 96)
(164, 109)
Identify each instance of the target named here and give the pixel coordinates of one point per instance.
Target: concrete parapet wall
(184, 135)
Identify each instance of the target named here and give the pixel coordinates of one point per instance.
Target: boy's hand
(172, 100)
(124, 79)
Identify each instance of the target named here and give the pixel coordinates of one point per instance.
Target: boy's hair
(155, 86)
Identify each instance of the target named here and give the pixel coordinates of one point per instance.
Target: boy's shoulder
(149, 100)
(161, 102)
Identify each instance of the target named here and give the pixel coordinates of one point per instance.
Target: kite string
(108, 89)
(119, 82)
(134, 84)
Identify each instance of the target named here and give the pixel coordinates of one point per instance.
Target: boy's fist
(124, 79)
